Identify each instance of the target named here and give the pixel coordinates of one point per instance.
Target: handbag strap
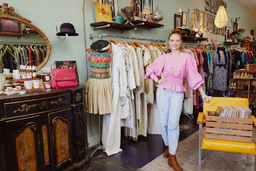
(52, 65)
(29, 63)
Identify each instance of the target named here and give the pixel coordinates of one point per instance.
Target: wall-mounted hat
(67, 28)
(100, 46)
(249, 38)
(128, 13)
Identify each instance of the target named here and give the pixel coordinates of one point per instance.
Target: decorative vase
(157, 14)
(119, 19)
(2, 81)
(240, 35)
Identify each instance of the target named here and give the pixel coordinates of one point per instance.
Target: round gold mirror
(17, 30)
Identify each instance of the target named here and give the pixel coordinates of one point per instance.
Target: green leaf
(10, 51)
(17, 50)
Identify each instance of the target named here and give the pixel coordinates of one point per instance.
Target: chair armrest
(254, 120)
(200, 118)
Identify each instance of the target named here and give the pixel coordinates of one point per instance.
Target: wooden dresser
(44, 131)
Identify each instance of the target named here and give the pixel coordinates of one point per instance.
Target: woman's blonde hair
(175, 31)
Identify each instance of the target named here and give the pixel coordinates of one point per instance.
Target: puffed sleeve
(155, 69)
(194, 78)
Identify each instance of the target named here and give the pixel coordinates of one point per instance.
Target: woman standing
(168, 71)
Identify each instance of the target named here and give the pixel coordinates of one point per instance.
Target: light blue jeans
(169, 106)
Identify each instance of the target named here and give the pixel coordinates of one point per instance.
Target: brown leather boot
(166, 152)
(172, 161)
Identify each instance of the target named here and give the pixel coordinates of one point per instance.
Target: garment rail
(22, 43)
(91, 36)
(191, 44)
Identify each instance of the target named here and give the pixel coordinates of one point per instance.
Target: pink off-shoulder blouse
(175, 68)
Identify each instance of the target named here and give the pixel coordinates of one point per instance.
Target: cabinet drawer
(36, 105)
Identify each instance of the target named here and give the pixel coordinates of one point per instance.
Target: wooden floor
(136, 155)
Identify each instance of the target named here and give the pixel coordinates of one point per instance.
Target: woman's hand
(206, 98)
(161, 80)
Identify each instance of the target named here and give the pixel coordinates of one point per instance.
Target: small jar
(36, 84)
(29, 76)
(8, 87)
(28, 85)
(46, 77)
(17, 86)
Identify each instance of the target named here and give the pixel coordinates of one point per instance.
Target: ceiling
(248, 4)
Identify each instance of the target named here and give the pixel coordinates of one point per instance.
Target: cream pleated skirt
(99, 96)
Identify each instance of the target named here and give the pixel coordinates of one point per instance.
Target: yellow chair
(222, 145)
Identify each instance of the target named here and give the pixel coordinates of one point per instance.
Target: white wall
(48, 14)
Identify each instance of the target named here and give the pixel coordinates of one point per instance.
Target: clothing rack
(21, 43)
(191, 44)
(91, 36)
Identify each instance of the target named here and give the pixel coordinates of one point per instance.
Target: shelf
(242, 91)
(246, 79)
(121, 27)
(250, 72)
(240, 40)
(148, 25)
(231, 43)
(190, 38)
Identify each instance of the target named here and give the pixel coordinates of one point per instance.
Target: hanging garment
(111, 132)
(219, 73)
(188, 106)
(99, 85)
(130, 84)
(8, 60)
(140, 89)
(135, 65)
(37, 56)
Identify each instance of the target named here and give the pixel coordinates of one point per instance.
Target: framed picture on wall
(227, 34)
(146, 4)
(184, 18)
(10, 28)
(177, 20)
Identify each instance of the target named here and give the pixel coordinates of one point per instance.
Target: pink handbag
(63, 77)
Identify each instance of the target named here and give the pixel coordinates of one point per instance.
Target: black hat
(100, 46)
(67, 28)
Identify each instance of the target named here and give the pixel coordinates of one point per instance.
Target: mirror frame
(8, 13)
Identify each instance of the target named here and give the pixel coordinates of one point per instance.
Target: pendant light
(221, 18)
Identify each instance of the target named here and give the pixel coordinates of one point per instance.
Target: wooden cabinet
(24, 141)
(43, 131)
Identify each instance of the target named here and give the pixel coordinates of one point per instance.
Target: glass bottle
(34, 75)
(157, 14)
